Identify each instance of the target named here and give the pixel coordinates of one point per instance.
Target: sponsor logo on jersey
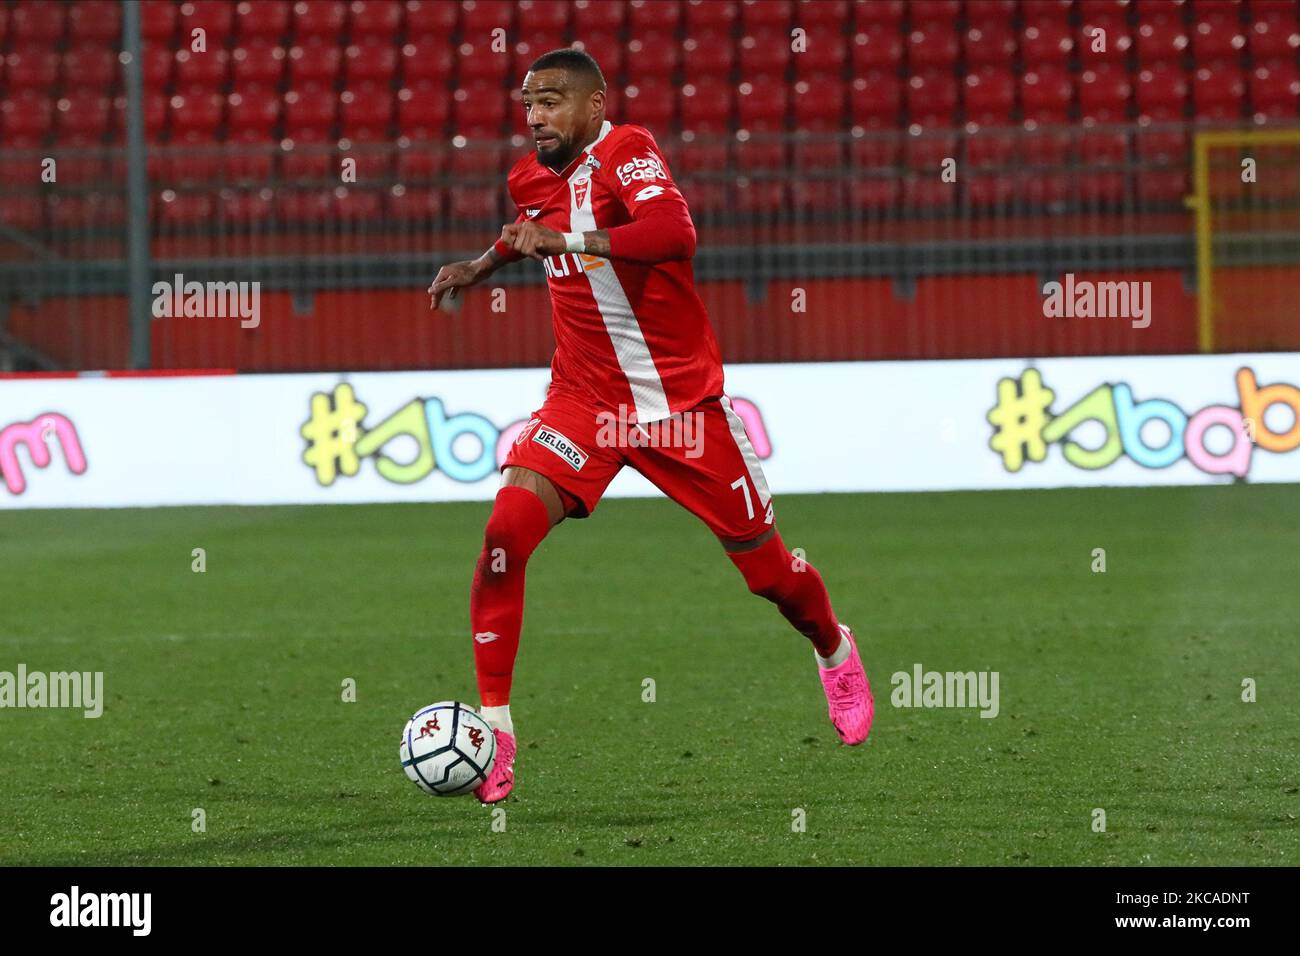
(532, 213)
(649, 192)
(641, 170)
(528, 430)
(566, 449)
(591, 161)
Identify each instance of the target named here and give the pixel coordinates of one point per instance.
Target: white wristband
(575, 242)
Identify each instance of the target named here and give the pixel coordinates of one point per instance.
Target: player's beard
(558, 156)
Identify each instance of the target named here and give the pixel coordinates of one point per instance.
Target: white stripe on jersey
(756, 475)
(611, 301)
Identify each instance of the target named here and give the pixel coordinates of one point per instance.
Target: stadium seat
(933, 46)
(541, 15)
(478, 159)
(653, 106)
(317, 62)
(1101, 188)
(475, 203)
(765, 53)
(817, 195)
(304, 154)
(1161, 185)
(935, 11)
(598, 16)
(927, 193)
(304, 206)
(1160, 144)
(932, 98)
(200, 71)
(874, 195)
(156, 63)
(990, 96)
(652, 58)
(479, 110)
(1118, 41)
(1046, 94)
(155, 109)
(246, 207)
(706, 107)
(32, 68)
(1049, 189)
(196, 112)
(707, 156)
(827, 52)
(407, 204)
(875, 99)
(434, 19)
(478, 18)
(423, 112)
(184, 209)
(417, 162)
(307, 109)
(92, 67)
(877, 46)
(1216, 36)
(258, 61)
(1274, 91)
(1219, 93)
(373, 60)
(979, 11)
(990, 43)
(93, 210)
(762, 105)
(250, 153)
(252, 108)
(1046, 146)
(83, 114)
(1104, 95)
(263, 19)
(319, 18)
(992, 147)
(1046, 42)
(1160, 39)
(822, 13)
(365, 113)
(765, 197)
(1274, 36)
(753, 155)
(705, 196)
(216, 18)
(476, 63)
(766, 14)
(653, 15)
(37, 24)
(158, 20)
(708, 55)
(23, 212)
(991, 190)
(1161, 92)
(711, 15)
(374, 19)
(927, 148)
(353, 205)
(95, 21)
(1088, 9)
(818, 154)
(428, 59)
(819, 103)
(1103, 146)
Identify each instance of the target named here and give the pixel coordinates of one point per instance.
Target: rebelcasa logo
(641, 170)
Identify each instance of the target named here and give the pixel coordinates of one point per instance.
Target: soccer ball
(448, 749)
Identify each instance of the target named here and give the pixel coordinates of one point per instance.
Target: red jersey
(626, 333)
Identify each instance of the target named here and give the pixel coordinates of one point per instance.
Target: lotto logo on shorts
(561, 446)
(643, 170)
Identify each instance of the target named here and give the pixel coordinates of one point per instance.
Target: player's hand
(456, 275)
(532, 239)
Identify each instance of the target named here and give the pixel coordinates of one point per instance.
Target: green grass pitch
(1120, 691)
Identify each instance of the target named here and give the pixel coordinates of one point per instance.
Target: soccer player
(634, 350)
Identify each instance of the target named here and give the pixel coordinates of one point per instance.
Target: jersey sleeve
(504, 251)
(639, 175)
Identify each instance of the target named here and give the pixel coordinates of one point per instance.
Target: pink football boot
(848, 694)
(501, 780)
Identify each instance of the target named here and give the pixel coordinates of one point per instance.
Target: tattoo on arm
(597, 243)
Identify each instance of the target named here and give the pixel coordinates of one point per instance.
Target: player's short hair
(578, 62)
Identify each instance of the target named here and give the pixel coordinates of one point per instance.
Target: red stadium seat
(651, 106)
(1046, 189)
(476, 203)
(936, 11)
(307, 109)
(711, 15)
(304, 206)
(365, 113)
(373, 60)
(765, 53)
(874, 149)
(1161, 92)
(827, 52)
(423, 112)
(95, 21)
(197, 112)
(4, 25)
(933, 45)
(249, 154)
(264, 19)
(877, 46)
(653, 15)
(1089, 9)
(306, 155)
(990, 96)
(707, 156)
(1275, 36)
(477, 63)
(1161, 39)
(542, 15)
(156, 64)
(32, 69)
(215, 17)
(601, 16)
(822, 13)
(928, 192)
(1274, 91)
(158, 20)
(819, 103)
(477, 158)
(1161, 186)
(1046, 42)
(89, 67)
(83, 212)
(878, 11)
(195, 71)
(85, 114)
(932, 98)
(819, 154)
(875, 99)
(766, 14)
(1104, 95)
(22, 212)
(1160, 145)
(762, 106)
(252, 108)
(874, 195)
(1219, 93)
(1047, 11)
(406, 204)
(358, 205)
(607, 50)
(1046, 94)
(1103, 146)
(431, 18)
(1216, 35)
(247, 207)
(258, 61)
(652, 58)
(428, 59)
(317, 62)
(991, 190)
(155, 117)
(37, 24)
(417, 161)
(1111, 47)
(478, 18)
(378, 19)
(992, 147)
(991, 43)
(708, 55)
(817, 195)
(763, 196)
(1101, 188)
(1046, 146)
(479, 110)
(706, 106)
(929, 148)
(980, 11)
(758, 155)
(319, 18)
(706, 196)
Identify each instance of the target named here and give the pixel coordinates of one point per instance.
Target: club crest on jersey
(566, 449)
(580, 192)
(527, 430)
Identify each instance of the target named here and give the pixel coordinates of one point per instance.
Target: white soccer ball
(448, 749)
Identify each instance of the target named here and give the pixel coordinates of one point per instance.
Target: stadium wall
(334, 438)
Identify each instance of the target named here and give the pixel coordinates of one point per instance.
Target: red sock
(518, 524)
(770, 571)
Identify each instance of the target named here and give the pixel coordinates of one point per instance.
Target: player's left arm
(661, 229)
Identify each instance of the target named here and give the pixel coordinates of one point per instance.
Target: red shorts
(701, 458)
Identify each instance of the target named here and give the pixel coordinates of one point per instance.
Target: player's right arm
(462, 275)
